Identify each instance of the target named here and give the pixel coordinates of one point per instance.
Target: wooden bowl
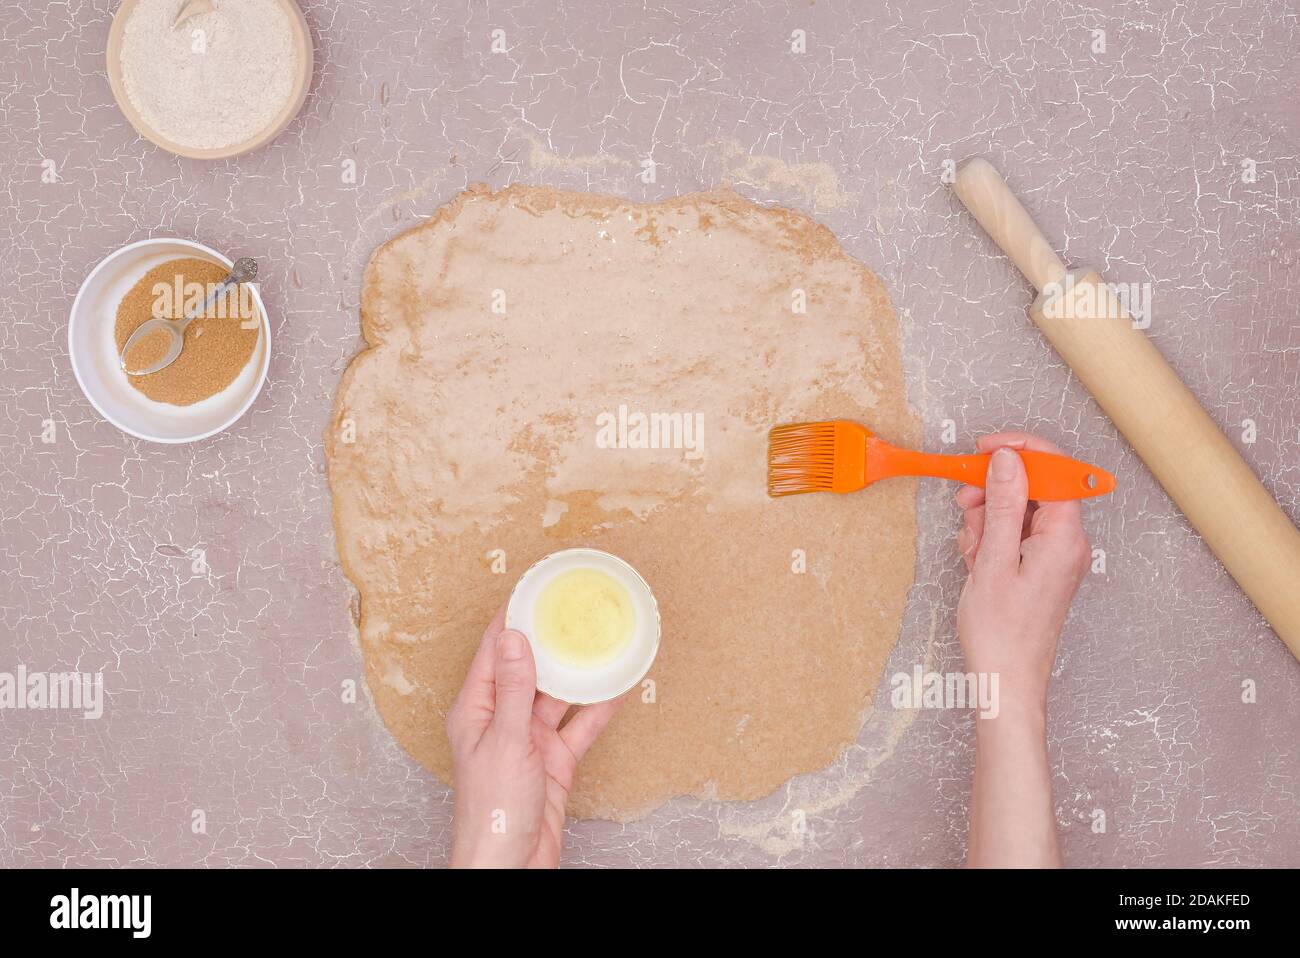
(302, 44)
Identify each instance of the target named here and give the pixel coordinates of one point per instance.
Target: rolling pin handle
(982, 189)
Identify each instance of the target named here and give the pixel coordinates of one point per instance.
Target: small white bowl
(578, 685)
(93, 351)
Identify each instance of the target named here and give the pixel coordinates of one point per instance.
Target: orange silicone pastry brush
(843, 456)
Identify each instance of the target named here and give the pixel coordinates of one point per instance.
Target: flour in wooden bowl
(215, 80)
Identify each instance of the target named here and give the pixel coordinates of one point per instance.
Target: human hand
(1026, 561)
(512, 761)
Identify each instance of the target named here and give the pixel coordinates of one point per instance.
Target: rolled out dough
(503, 334)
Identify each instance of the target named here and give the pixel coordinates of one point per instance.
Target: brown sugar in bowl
(92, 349)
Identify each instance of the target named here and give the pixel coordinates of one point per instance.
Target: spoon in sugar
(244, 271)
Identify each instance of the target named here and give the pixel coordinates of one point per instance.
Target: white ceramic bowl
(93, 351)
(583, 686)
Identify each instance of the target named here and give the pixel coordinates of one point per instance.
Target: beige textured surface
(476, 430)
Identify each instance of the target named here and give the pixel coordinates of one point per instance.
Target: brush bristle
(801, 458)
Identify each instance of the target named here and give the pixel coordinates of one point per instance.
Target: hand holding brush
(843, 456)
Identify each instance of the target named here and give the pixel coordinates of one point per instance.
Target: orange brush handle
(1050, 476)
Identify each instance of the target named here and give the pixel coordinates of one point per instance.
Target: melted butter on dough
(474, 430)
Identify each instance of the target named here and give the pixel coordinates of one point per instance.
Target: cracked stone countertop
(1163, 150)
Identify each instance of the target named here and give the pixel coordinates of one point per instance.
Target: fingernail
(510, 645)
(1003, 466)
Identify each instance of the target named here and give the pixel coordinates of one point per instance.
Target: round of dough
(548, 370)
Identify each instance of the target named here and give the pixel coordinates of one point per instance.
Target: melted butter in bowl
(592, 623)
(585, 617)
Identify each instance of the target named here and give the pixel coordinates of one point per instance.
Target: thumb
(516, 684)
(1006, 496)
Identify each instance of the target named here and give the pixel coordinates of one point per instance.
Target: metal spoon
(244, 271)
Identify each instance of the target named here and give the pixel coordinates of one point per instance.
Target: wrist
(1018, 691)
(1016, 709)
(479, 842)
(478, 855)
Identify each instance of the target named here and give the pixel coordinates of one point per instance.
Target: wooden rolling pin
(1151, 406)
